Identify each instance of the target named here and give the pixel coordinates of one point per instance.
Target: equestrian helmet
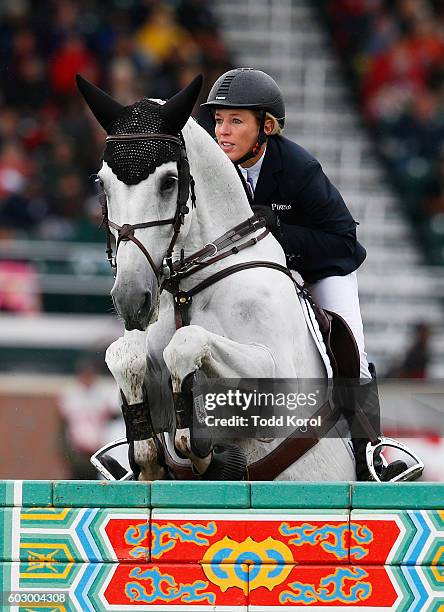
(247, 88)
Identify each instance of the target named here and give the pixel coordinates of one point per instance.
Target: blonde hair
(277, 129)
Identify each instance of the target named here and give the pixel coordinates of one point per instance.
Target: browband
(144, 136)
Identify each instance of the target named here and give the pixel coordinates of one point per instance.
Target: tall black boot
(365, 426)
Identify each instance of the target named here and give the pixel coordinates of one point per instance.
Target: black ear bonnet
(133, 162)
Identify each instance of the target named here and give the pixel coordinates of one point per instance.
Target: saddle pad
(316, 334)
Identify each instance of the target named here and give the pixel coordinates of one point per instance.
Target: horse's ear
(104, 108)
(177, 110)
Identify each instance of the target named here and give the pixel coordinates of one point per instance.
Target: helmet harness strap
(261, 140)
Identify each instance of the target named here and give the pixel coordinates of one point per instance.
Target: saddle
(338, 338)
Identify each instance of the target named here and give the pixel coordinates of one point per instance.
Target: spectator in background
(16, 171)
(395, 69)
(86, 408)
(135, 48)
(160, 38)
(19, 288)
(72, 57)
(395, 52)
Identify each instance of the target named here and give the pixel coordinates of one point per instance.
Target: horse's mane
(222, 179)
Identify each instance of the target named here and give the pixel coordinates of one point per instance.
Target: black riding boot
(362, 429)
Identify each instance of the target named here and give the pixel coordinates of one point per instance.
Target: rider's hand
(271, 218)
(273, 224)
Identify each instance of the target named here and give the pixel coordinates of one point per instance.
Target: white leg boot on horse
(126, 360)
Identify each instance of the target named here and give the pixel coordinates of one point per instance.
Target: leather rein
(169, 274)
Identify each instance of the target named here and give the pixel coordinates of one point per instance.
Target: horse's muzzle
(135, 308)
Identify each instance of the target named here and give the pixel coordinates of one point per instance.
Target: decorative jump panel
(74, 534)
(250, 536)
(404, 537)
(260, 588)
(259, 547)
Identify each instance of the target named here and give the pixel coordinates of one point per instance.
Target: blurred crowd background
(49, 144)
(394, 52)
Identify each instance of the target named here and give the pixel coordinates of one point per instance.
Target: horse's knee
(126, 362)
(186, 352)
(189, 340)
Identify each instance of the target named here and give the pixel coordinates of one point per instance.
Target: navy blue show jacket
(316, 224)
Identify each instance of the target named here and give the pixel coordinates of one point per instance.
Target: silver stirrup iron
(410, 473)
(96, 460)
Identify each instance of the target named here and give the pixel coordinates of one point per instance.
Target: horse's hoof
(228, 463)
(114, 467)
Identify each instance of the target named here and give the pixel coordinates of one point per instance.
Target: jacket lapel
(267, 183)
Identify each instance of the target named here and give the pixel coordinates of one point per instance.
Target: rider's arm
(319, 226)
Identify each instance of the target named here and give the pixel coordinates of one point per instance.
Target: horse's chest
(159, 335)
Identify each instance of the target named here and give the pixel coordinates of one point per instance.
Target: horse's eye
(168, 184)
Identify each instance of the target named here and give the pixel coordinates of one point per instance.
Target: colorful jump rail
(92, 546)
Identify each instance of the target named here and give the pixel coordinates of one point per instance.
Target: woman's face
(236, 131)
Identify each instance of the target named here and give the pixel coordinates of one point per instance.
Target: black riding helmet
(250, 89)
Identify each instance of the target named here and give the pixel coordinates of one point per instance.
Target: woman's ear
(268, 126)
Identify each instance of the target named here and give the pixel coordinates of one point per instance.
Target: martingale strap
(184, 267)
(183, 299)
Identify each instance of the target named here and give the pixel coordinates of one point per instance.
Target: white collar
(254, 170)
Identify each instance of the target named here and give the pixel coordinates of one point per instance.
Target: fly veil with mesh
(132, 161)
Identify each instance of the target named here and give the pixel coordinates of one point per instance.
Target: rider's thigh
(340, 294)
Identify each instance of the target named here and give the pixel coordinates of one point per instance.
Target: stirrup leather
(411, 473)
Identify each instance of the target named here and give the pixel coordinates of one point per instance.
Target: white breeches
(340, 294)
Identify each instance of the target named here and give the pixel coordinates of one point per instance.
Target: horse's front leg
(126, 360)
(194, 348)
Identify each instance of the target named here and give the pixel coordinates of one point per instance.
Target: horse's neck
(221, 202)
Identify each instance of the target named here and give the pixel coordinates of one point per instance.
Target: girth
(280, 458)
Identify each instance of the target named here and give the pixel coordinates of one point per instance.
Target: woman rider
(303, 209)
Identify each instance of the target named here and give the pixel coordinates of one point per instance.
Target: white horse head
(147, 181)
(246, 325)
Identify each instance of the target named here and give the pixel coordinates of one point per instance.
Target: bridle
(126, 231)
(170, 273)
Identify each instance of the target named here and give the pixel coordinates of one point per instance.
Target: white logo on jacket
(275, 206)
